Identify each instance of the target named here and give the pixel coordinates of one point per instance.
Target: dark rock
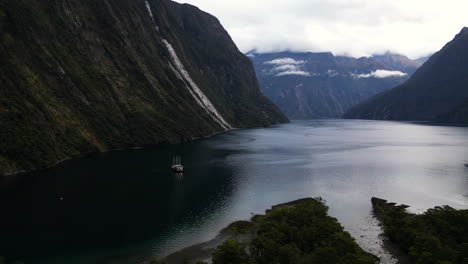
(83, 76)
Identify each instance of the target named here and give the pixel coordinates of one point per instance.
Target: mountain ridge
(83, 76)
(436, 92)
(322, 85)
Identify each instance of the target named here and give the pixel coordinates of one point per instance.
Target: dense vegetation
(298, 232)
(438, 236)
(302, 233)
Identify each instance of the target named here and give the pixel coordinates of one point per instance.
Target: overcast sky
(352, 27)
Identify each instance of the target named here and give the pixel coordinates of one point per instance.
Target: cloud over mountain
(356, 28)
(381, 74)
(287, 66)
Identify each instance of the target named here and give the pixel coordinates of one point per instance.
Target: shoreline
(243, 231)
(148, 146)
(87, 154)
(156, 145)
(390, 246)
(203, 251)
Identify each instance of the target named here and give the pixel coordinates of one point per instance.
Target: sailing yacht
(177, 165)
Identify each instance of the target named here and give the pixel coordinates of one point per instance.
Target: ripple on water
(117, 203)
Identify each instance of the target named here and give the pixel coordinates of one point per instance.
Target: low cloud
(380, 74)
(356, 28)
(301, 73)
(287, 66)
(285, 61)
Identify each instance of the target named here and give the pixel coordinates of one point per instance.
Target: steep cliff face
(438, 91)
(323, 85)
(80, 76)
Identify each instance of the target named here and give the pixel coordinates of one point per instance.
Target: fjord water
(120, 207)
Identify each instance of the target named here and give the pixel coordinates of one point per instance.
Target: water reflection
(125, 205)
(111, 200)
(179, 176)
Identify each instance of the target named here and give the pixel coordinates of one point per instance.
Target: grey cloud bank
(344, 27)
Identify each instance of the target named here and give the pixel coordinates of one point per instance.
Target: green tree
(438, 236)
(231, 252)
(305, 234)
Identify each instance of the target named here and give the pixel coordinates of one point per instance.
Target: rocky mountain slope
(322, 85)
(82, 76)
(438, 91)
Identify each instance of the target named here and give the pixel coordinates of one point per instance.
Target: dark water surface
(120, 207)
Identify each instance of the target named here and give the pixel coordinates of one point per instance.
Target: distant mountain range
(321, 85)
(438, 91)
(84, 76)
(423, 59)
